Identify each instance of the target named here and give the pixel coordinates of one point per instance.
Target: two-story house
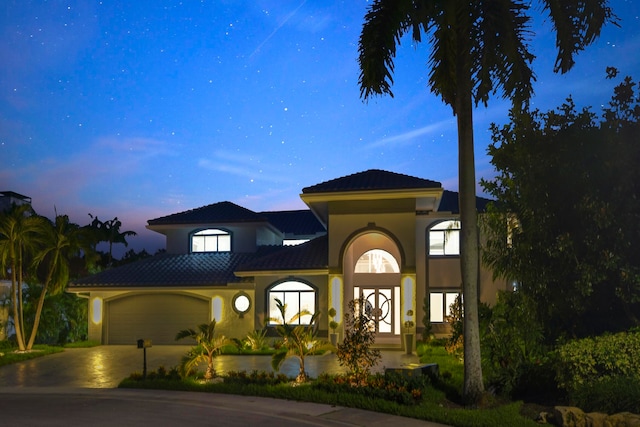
(390, 237)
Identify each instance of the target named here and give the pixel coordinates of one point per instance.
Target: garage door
(156, 317)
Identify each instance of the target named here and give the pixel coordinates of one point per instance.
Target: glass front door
(383, 307)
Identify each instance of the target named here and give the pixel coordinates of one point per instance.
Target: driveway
(106, 366)
(77, 387)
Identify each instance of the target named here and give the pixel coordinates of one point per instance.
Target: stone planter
(334, 339)
(408, 343)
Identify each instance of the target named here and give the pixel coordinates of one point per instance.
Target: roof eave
(309, 272)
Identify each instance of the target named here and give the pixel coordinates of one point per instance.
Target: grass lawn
(9, 354)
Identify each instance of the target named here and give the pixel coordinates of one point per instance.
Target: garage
(157, 317)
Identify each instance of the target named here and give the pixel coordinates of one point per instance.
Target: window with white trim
(297, 297)
(377, 261)
(211, 240)
(440, 305)
(444, 238)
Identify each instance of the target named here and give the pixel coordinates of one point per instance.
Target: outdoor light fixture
(241, 303)
(96, 312)
(216, 308)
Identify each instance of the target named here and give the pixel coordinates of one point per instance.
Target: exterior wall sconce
(241, 304)
(96, 311)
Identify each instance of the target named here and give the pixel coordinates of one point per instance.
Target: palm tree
(299, 341)
(476, 48)
(20, 233)
(62, 241)
(109, 231)
(208, 347)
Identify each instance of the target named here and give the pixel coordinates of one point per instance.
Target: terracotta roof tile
(221, 212)
(300, 222)
(182, 270)
(307, 256)
(372, 179)
(449, 203)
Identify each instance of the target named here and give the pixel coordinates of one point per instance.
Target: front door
(384, 309)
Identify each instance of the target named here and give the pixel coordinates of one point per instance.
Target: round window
(241, 303)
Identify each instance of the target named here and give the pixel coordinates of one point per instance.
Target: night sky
(141, 109)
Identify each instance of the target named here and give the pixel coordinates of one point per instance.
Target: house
(390, 237)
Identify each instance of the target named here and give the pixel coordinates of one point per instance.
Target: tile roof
(372, 179)
(169, 270)
(300, 222)
(449, 203)
(221, 212)
(311, 255)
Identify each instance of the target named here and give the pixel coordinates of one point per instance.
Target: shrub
(355, 350)
(610, 395)
(586, 360)
(515, 360)
(257, 340)
(391, 387)
(255, 377)
(455, 343)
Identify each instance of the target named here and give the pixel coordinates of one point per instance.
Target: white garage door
(156, 317)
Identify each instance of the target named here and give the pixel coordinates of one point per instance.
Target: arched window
(297, 297)
(211, 240)
(377, 261)
(444, 238)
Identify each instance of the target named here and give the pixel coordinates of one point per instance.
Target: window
(444, 238)
(297, 297)
(377, 261)
(211, 240)
(440, 305)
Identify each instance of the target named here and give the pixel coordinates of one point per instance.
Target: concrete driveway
(77, 387)
(106, 366)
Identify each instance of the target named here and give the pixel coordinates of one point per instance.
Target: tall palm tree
(477, 47)
(208, 346)
(109, 231)
(62, 241)
(20, 233)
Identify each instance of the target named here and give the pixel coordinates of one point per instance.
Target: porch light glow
(96, 311)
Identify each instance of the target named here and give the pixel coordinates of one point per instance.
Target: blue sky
(147, 108)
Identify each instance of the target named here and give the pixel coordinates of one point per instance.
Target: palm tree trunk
(469, 251)
(36, 320)
(16, 313)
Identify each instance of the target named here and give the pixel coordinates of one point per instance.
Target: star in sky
(142, 109)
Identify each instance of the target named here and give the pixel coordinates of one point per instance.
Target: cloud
(408, 137)
(250, 167)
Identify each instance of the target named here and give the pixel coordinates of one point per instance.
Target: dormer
(220, 227)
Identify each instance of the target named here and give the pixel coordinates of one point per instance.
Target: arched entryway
(371, 268)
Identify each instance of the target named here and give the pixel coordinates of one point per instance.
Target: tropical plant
(333, 325)
(567, 182)
(208, 346)
(20, 232)
(255, 340)
(355, 350)
(299, 341)
(61, 241)
(109, 231)
(477, 48)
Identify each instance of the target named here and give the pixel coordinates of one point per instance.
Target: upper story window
(377, 261)
(211, 240)
(444, 238)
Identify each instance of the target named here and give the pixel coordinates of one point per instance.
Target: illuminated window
(444, 238)
(297, 297)
(211, 240)
(440, 305)
(377, 261)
